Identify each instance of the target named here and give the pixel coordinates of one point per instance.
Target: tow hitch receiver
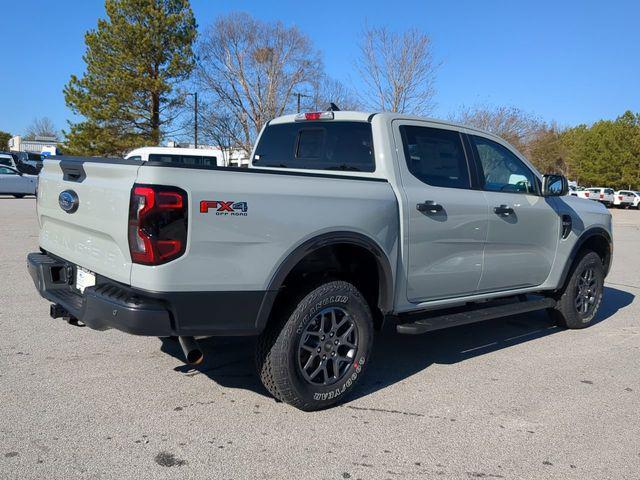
(58, 311)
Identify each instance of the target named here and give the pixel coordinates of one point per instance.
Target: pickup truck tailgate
(95, 235)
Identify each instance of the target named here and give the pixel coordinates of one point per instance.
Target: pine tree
(4, 140)
(135, 60)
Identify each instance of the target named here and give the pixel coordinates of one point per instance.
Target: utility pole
(299, 96)
(195, 128)
(195, 117)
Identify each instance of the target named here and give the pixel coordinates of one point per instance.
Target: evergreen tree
(135, 60)
(607, 154)
(4, 140)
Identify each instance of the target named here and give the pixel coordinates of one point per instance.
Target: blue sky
(571, 61)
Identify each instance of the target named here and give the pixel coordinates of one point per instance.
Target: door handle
(503, 210)
(429, 206)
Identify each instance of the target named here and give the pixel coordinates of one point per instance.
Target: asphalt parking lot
(512, 398)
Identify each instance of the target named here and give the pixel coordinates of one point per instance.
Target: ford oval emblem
(68, 201)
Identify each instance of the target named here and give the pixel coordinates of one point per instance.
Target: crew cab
(344, 221)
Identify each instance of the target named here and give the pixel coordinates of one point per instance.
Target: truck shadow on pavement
(229, 361)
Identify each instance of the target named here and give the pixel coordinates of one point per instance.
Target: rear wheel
(580, 299)
(313, 358)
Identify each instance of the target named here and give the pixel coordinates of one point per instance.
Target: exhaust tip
(192, 352)
(195, 357)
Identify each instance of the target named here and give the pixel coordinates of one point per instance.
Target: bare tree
(547, 151)
(329, 90)
(248, 69)
(41, 127)
(398, 70)
(513, 124)
(220, 130)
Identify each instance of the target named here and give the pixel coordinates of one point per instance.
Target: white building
(47, 145)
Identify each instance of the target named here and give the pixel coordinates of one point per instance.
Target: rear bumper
(110, 304)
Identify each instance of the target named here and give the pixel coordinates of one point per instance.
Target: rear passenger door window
(435, 157)
(501, 170)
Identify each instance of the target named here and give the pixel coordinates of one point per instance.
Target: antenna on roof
(333, 107)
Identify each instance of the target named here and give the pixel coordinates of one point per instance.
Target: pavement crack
(384, 410)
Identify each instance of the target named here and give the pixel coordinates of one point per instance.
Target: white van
(197, 157)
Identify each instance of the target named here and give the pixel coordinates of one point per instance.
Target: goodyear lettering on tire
(340, 390)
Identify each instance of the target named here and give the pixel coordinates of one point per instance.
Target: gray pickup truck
(344, 221)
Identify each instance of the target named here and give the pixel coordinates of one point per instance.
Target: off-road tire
(263, 358)
(566, 313)
(279, 347)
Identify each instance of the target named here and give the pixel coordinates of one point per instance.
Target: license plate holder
(84, 279)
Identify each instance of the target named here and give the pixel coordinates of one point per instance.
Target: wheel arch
(307, 248)
(597, 239)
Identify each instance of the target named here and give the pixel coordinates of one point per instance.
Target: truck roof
(360, 116)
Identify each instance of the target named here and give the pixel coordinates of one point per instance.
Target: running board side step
(479, 314)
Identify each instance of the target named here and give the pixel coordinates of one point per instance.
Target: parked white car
(636, 199)
(12, 182)
(7, 160)
(624, 198)
(602, 195)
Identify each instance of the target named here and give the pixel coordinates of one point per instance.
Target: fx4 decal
(224, 208)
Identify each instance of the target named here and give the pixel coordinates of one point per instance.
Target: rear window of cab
(318, 145)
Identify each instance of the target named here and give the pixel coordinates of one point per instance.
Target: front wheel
(581, 297)
(314, 360)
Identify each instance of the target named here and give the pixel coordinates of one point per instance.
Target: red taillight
(620, 197)
(601, 196)
(586, 194)
(157, 224)
(170, 200)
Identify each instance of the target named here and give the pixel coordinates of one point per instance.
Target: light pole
(195, 117)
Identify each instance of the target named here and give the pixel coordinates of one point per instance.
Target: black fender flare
(385, 274)
(582, 239)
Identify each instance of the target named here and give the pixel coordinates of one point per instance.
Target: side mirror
(554, 185)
